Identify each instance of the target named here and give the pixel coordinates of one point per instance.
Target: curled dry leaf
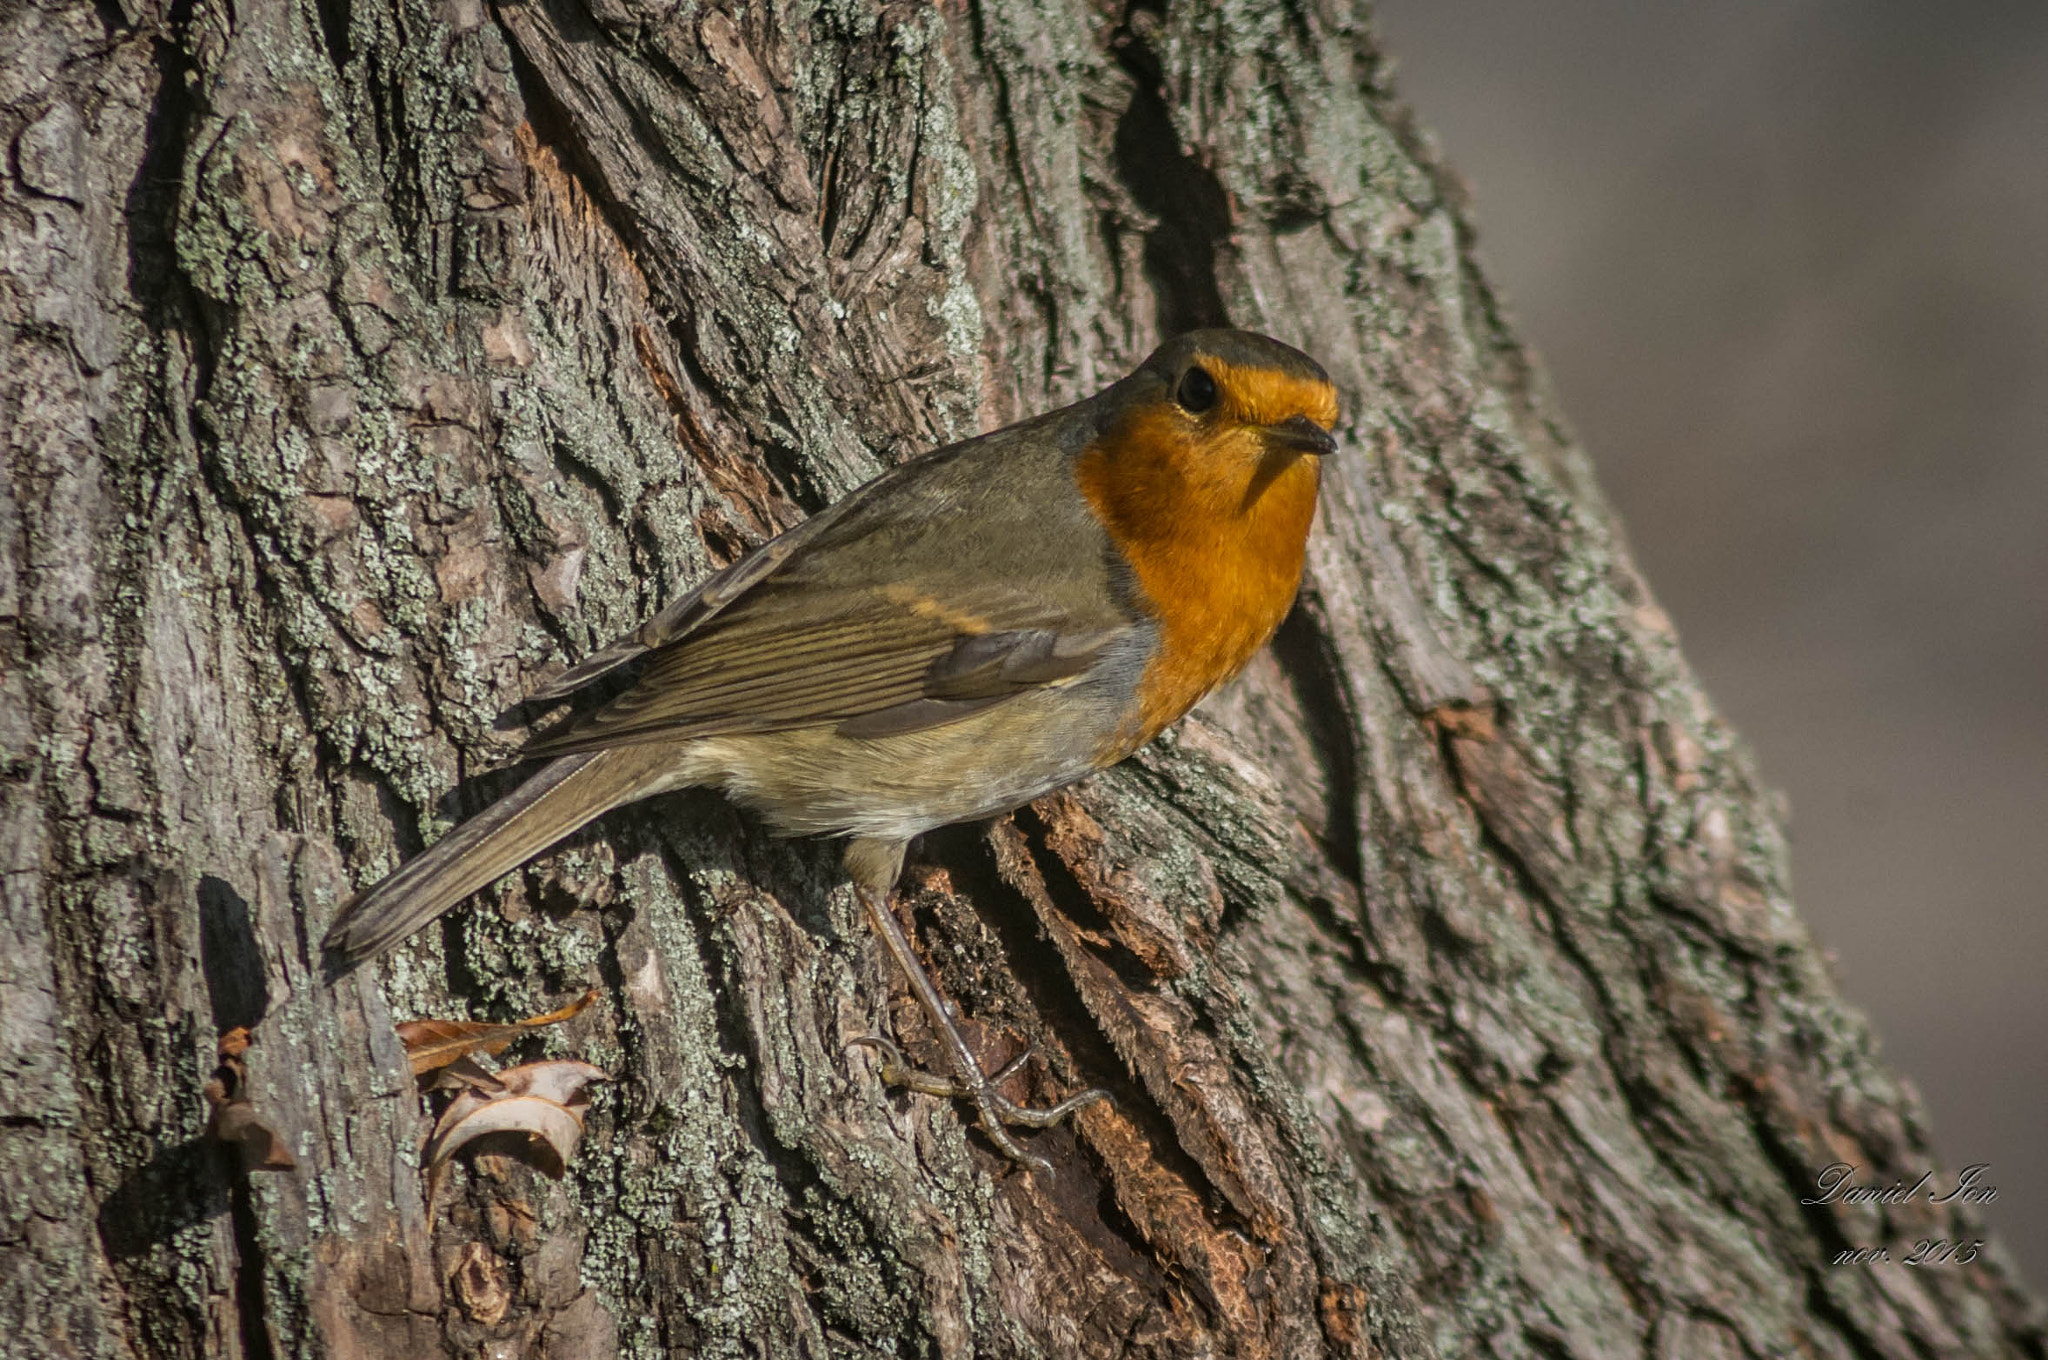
(236, 1123)
(430, 1044)
(234, 1120)
(540, 1103)
(464, 1073)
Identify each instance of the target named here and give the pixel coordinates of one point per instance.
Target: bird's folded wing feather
(873, 663)
(875, 616)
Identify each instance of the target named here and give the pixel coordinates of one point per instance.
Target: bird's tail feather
(564, 795)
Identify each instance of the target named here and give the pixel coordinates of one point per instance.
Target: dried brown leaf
(561, 1080)
(234, 1120)
(551, 1131)
(430, 1044)
(540, 1106)
(465, 1073)
(236, 1123)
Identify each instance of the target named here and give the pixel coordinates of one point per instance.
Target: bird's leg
(995, 1108)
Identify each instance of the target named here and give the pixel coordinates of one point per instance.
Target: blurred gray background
(1787, 262)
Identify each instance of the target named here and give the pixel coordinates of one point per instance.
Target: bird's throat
(1216, 539)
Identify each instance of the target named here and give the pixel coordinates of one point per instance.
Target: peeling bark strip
(367, 360)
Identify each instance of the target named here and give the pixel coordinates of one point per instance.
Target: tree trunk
(367, 359)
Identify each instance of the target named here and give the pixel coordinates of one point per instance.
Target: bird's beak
(1299, 434)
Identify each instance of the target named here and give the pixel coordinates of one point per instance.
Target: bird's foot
(984, 1089)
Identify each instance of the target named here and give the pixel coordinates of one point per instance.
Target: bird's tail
(565, 794)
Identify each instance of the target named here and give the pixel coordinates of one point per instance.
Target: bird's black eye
(1197, 390)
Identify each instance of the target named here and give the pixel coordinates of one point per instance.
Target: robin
(972, 629)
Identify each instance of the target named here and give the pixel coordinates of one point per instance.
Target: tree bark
(368, 359)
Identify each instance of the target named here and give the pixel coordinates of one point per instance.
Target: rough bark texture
(365, 359)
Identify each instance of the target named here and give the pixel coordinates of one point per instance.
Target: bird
(974, 628)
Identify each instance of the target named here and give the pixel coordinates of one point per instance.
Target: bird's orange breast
(1215, 536)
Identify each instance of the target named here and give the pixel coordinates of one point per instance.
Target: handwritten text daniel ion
(1836, 1183)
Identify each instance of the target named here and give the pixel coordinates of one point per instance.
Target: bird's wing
(953, 582)
(873, 662)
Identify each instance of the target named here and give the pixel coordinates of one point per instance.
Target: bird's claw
(995, 1108)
